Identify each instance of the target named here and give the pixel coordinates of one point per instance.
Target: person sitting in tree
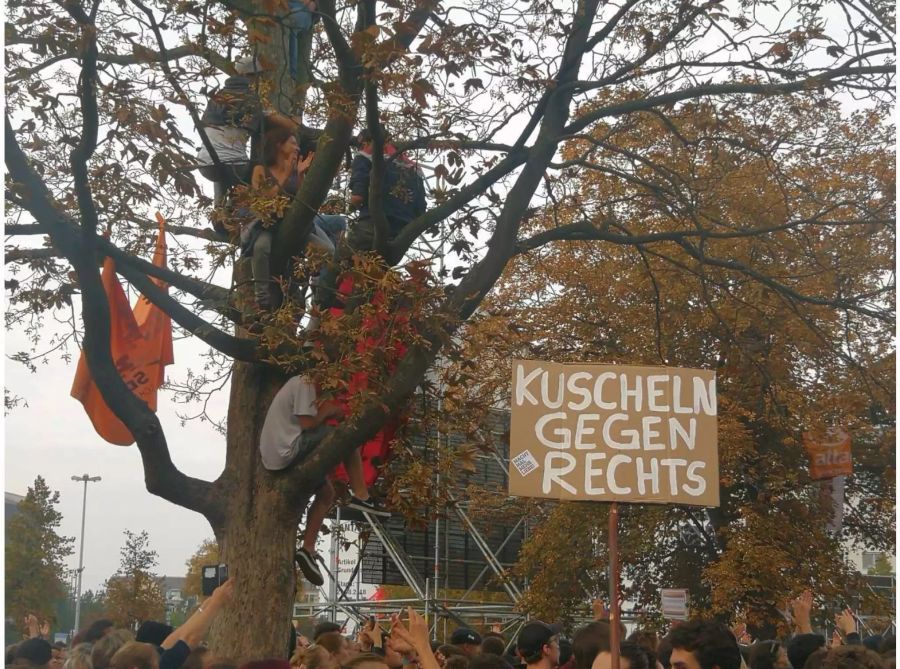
(294, 426)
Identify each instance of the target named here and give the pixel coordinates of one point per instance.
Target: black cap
(464, 635)
(36, 651)
(534, 636)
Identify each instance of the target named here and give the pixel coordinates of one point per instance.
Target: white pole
(85, 479)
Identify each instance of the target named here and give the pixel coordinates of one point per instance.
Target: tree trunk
(258, 539)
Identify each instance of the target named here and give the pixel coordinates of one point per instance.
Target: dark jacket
(236, 104)
(403, 190)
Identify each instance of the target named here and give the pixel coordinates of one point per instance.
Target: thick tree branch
(161, 475)
(27, 255)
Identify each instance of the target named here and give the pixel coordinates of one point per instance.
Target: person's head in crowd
(457, 662)
(701, 644)
(324, 628)
(852, 657)
(153, 632)
(814, 661)
(336, 644)
(648, 640)
(487, 661)
(220, 663)
(633, 656)
(445, 651)
(493, 645)
(97, 630)
(768, 655)
(590, 644)
(538, 644)
(79, 657)
(664, 652)
(33, 653)
(197, 658)
(135, 655)
(59, 655)
(801, 646)
(106, 647)
(467, 640)
(366, 661)
(314, 657)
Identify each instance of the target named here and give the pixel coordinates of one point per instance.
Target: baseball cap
(465, 635)
(36, 651)
(534, 636)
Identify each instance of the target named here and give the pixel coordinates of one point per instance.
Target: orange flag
(141, 346)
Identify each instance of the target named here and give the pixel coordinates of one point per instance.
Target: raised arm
(194, 628)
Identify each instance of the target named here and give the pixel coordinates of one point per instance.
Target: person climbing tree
(233, 114)
(274, 183)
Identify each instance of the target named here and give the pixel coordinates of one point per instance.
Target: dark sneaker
(307, 563)
(366, 506)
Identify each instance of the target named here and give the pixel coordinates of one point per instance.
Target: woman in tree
(273, 185)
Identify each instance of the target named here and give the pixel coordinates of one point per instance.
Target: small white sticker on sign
(525, 463)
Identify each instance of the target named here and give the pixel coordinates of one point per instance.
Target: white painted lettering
(575, 389)
(625, 392)
(648, 433)
(614, 462)
(621, 445)
(699, 482)
(652, 476)
(590, 471)
(705, 395)
(554, 474)
(560, 391)
(582, 430)
(563, 432)
(677, 407)
(673, 464)
(522, 382)
(653, 392)
(598, 391)
(676, 430)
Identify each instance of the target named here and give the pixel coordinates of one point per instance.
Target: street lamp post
(85, 479)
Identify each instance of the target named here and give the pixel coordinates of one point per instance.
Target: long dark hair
(272, 141)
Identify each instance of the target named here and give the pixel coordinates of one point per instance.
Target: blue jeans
(298, 19)
(333, 225)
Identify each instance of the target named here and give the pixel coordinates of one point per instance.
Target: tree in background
(133, 594)
(207, 553)
(485, 95)
(34, 569)
(673, 195)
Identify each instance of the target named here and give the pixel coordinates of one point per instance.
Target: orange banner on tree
(141, 346)
(829, 453)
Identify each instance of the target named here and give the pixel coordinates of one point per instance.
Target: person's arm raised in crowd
(846, 623)
(194, 628)
(416, 635)
(800, 610)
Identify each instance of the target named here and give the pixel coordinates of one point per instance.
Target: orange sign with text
(829, 453)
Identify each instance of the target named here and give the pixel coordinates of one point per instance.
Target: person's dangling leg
(315, 516)
(360, 498)
(262, 270)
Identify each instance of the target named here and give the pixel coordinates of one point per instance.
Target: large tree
(99, 95)
(35, 554)
(781, 368)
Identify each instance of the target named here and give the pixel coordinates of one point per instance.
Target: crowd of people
(695, 644)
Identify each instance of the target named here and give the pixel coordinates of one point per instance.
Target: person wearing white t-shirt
(293, 427)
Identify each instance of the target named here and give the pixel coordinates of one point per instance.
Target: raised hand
(303, 165)
(846, 622)
(800, 610)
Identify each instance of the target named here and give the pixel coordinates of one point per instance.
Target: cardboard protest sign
(613, 433)
(829, 453)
